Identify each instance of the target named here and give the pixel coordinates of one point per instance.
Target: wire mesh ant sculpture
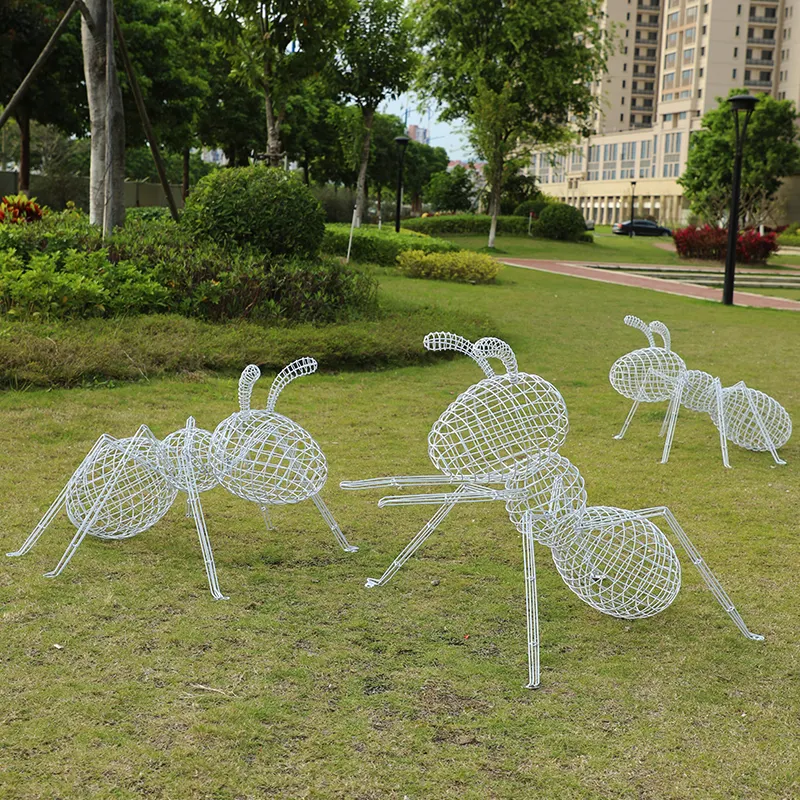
(747, 417)
(507, 429)
(123, 487)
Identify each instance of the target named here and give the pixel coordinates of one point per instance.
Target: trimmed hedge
(711, 243)
(98, 351)
(562, 222)
(466, 223)
(260, 207)
(373, 246)
(787, 239)
(462, 267)
(536, 206)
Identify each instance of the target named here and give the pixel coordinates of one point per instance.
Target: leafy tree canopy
(771, 153)
(451, 191)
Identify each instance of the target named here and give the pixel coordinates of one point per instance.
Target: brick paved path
(657, 284)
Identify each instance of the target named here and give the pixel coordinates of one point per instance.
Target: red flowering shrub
(710, 243)
(16, 209)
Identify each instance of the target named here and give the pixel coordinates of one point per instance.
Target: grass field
(306, 685)
(608, 248)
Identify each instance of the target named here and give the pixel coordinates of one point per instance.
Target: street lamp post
(740, 103)
(633, 204)
(402, 143)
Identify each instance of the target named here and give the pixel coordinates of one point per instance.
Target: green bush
(536, 205)
(561, 221)
(68, 283)
(259, 207)
(373, 246)
(217, 283)
(66, 230)
(789, 238)
(466, 223)
(462, 267)
(147, 213)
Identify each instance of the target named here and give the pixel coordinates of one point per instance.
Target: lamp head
(401, 141)
(743, 102)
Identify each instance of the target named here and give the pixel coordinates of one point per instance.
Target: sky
(443, 134)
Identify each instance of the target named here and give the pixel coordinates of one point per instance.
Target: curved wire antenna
(663, 331)
(443, 340)
(491, 347)
(635, 322)
(247, 380)
(297, 369)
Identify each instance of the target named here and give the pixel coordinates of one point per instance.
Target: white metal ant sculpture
(506, 429)
(747, 417)
(125, 486)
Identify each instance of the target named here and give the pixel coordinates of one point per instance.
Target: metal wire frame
(268, 459)
(747, 417)
(617, 561)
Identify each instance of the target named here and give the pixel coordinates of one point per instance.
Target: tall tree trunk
(24, 121)
(185, 186)
(274, 154)
(494, 207)
(106, 118)
(380, 190)
(368, 116)
(306, 176)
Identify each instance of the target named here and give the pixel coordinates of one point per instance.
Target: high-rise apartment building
(673, 60)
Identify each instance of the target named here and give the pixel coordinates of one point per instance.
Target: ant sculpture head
(495, 427)
(647, 374)
(263, 456)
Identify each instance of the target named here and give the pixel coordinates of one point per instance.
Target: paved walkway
(622, 278)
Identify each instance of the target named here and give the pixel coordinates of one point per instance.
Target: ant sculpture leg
(531, 609)
(333, 524)
(705, 572)
(641, 398)
(267, 518)
(671, 419)
(723, 433)
(57, 505)
(628, 419)
(195, 510)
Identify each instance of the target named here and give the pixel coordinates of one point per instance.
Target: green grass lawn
(608, 248)
(306, 685)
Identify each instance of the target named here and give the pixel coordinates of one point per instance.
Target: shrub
(65, 230)
(561, 221)
(711, 243)
(371, 246)
(19, 209)
(536, 205)
(210, 281)
(790, 237)
(68, 283)
(259, 207)
(462, 267)
(148, 213)
(466, 223)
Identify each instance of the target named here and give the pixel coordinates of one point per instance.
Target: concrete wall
(56, 191)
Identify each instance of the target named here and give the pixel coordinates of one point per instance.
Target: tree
(376, 62)
(772, 152)
(451, 191)
(520, 73)
(273, 45)
(57, 96)
(422, 162)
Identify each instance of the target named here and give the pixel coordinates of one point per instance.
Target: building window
(669, 60)
(688, 55)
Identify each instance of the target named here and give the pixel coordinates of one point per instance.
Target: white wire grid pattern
(747, 417)
(125, 486)
(615, 560)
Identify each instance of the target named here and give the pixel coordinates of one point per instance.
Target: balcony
(760, 40)
(763, 20)
(757, 82)
(761, 62)
(645, 92)
(653, 59)
(644, 24)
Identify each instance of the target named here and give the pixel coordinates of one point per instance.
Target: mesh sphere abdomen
(267, 458)
(742, 425)
(619, 563)
(140, 496)
(647, 375)
(497, 424)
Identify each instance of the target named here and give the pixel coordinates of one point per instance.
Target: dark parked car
(589, 224)
(641, 227)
